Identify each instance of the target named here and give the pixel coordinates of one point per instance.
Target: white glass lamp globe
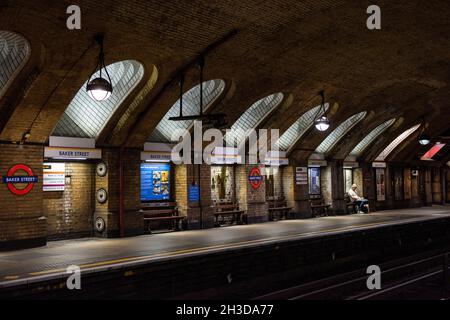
(99, 89)
(322, 123)
(424, 140)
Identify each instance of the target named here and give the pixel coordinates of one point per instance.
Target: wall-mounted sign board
(155, 156)
(20, 179)
(72, 153)
(378, 164)
(54, 176)
(226, 155)
(301, 176)
(194, 193)
(317, 163)
(155, 181)
(255, 178)
(350, 164)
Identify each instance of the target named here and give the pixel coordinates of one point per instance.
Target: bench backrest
(277, 203)
(159, 209)
(317, 202)
(347, 198)
(225, 206)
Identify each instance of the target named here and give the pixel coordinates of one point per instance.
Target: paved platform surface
(93, 254)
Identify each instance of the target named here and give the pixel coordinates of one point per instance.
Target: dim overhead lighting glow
(424, 139)
(322, 124)
(100, 88)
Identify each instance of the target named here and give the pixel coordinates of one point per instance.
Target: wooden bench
(319, 207)
(164, 212)
(278, 209)
(351, 206)
(224, 209)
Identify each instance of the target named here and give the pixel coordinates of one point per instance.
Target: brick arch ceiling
(85, 117)
(212, 89)
(301, 47)
(396, 142)
(334, 137)
(370, 137)
(252, 117)
(293, 134)
(14, 53)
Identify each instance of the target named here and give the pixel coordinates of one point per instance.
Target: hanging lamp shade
(322, 123)
(100, 88)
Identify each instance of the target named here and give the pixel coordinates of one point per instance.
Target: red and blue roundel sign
(255, 178)
(20, 184)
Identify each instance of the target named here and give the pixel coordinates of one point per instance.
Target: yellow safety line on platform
(184, 251)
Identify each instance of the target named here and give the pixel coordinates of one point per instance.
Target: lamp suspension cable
(201, 65)
(180, 83)
(100, 88)
(321, 122)
(424, 139)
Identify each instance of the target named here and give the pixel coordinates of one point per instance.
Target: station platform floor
(95, 254)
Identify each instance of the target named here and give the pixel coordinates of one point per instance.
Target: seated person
(361, 203)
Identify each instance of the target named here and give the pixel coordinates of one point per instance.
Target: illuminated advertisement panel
(155, 181)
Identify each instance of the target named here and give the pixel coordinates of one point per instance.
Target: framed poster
(194, 193)
(155, 181)
(380, 181)
(314, 180)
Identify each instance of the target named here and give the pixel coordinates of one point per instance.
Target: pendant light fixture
(100, 88)
(424, 139)
(321, 122)
(215, 118)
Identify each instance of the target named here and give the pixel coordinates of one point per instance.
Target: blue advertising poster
(194, 193)
(155, 181)
(314, 180)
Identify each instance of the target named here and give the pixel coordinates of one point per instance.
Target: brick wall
(326, 184)
(288, 184)
(70, 212)
(358, 179)
(109, 211)
(197, 213)
(216, 173)
(21, 217)
(251, 200)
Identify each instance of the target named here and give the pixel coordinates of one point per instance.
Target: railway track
(423, 276)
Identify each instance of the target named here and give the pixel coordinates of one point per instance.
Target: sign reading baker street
(255, 178)
(72, 153)
(20, 179)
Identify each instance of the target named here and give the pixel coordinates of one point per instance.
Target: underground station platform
(122, 267)
(258, 149)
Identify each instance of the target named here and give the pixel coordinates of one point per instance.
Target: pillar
(288, 185)
(250, 199)
(199, 214)
(337, 186)
(301, 203)
(109, 211)
(22, 221)
(390, 188)
(428, 189)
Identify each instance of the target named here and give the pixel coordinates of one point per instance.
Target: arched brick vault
(297, 47)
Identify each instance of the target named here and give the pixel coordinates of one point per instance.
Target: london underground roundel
(20, 179)
(255, 178)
